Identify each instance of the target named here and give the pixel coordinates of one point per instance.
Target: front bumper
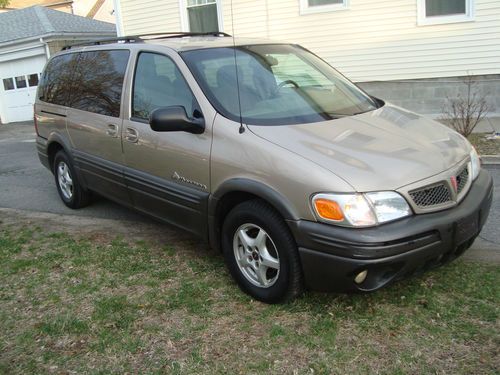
(332, 256)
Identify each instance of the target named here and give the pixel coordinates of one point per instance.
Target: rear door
(168, 173)
(94, 123)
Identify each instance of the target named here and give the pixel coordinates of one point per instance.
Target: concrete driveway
(26, 185)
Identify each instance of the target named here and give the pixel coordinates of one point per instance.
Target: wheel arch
(236, 191)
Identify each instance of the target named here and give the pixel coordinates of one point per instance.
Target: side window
(55, 83)
(98, 82)
(159, 83)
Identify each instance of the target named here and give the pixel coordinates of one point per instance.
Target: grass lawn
(98, 304)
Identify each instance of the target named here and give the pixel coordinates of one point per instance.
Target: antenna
(242, 128)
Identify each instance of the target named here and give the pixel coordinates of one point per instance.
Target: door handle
(112, 130)
(131, 135)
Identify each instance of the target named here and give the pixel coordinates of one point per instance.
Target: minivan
(266, 152)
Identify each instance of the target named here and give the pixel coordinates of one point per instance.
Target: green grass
(72, 304)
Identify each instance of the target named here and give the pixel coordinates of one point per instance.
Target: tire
(261, 253)
(68, 185)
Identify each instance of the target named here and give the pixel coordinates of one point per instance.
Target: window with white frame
(432, 12)
(316, 6)
(201, 16)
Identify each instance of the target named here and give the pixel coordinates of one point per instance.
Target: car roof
(178, 43)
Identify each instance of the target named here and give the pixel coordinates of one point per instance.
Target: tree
(463, 113)
(4, 3)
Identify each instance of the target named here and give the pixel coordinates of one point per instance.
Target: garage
(19, 83)
(28, 37)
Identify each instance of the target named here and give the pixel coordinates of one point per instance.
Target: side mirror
(175, 119)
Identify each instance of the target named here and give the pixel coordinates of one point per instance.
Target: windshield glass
(278, 84)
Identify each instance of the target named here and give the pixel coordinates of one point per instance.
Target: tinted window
(55, 83)
(21, 82)
(8, 84)
(33, 80)
(444, 7)
(98, 82)
(159, 83)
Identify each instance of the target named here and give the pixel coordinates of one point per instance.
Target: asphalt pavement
(26, 185)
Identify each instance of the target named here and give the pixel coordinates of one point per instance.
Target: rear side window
(98, 82)
(55, 84)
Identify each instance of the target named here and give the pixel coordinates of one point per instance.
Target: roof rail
(141, 37)
(97, 42)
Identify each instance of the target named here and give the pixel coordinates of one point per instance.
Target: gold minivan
(266, 152)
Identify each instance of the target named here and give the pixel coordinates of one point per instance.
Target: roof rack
(141, 37)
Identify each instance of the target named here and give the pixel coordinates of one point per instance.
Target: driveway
(27, 186)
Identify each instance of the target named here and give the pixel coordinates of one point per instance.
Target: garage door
(18, 83)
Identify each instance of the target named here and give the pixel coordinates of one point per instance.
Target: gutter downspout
(118, 16)
(47, 50)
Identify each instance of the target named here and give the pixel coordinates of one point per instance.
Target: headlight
(360, 210)
(475, 162)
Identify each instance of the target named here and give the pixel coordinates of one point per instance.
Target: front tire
(68, 185)
(261, 253)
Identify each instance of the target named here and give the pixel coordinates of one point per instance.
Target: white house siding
(149, 16)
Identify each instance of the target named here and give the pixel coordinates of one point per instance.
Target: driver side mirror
(173, 119)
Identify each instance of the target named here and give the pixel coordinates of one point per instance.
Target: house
(413, 53)
(28, 37)
(101, 10)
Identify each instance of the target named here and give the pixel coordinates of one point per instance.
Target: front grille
(462, 179)
(431, 196)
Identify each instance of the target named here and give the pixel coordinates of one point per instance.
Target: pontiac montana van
(265, 151)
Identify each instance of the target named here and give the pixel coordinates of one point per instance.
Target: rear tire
(68, 185)
(260, 253)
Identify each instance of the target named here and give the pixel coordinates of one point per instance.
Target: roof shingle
(37, 21)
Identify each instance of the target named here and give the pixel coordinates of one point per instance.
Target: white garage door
(18, 83)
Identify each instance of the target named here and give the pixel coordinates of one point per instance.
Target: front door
(167, 172)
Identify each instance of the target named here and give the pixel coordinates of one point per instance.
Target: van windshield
(278, 84)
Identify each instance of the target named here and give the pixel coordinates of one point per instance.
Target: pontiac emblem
(454, 183)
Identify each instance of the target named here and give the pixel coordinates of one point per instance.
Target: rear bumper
(332, 256)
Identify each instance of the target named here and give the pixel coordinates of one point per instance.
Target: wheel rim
(65, 180)
(256, 255)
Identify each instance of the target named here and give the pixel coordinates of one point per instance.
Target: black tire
(289, 282)
(79, 197)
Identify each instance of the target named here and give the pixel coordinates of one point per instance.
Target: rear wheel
(261, 253)
(68, 186)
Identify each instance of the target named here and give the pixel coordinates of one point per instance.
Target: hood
(380, 150)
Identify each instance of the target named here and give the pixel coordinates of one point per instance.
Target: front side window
(274, 84)
(202, 16)
(315, 6)
(97, 82)
(444, 11)
(158, 83)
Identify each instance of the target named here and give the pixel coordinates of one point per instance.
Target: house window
(316, 6)
(21, 82)
(432, 12)
(202, 16)
(8, 84)
(33, 80)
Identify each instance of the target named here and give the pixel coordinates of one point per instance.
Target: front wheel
(261, 253)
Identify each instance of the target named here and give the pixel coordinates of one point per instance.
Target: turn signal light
(328, 209)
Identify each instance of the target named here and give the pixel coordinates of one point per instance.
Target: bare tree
(463, 113)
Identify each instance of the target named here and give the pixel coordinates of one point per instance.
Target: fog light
(360, 277)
